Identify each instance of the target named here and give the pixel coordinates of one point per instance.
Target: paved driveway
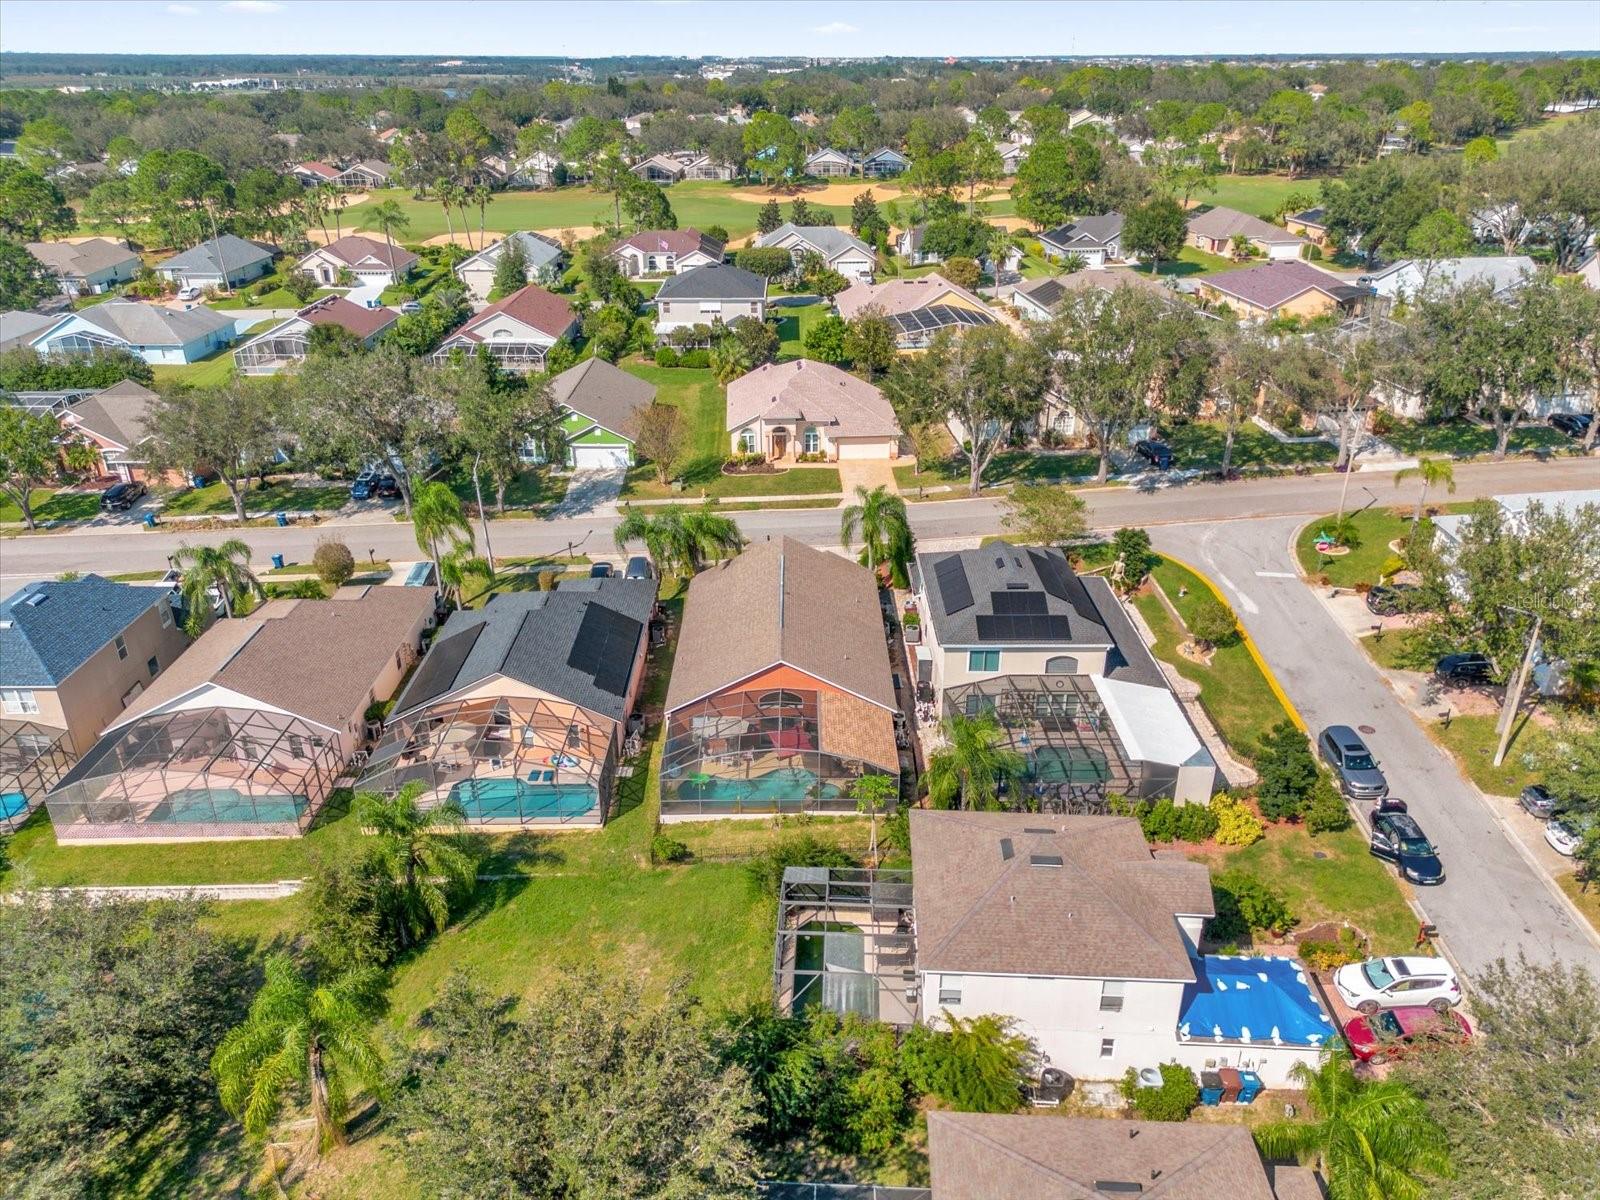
(1494, 901)
(590, 492)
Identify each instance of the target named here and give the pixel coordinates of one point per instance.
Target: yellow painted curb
(1249, 644)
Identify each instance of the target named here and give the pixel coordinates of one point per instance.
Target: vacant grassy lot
(1191, 262)
(49, 505)
(1258, 195)
(1199, 444)
(277, 298)
(1007, 467)
(1398, 650)
(1463, 439)
(1472, 741)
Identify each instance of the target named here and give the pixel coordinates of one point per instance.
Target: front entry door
(780, 443)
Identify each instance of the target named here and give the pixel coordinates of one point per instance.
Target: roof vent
(1118, 1187)
(1045, 860)
(1000, 562)
(1035, 830)
(1006, 851)
(34, 599)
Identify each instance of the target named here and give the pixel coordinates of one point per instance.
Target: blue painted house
(157, 334)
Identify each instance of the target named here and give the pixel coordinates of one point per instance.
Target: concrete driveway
(591, 492)
(1496, 899)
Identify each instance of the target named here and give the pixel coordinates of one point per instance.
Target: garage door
(864, 447)
(599, 458)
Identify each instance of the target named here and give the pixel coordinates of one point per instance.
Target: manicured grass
(49, 505)
(1366, 562)
(277, 298)
(1007, 467)
(1199, 444)
(1192, 262)
(1398, 650)
(1258, 195)
(275, 497)
(1463, 439)
(208, 372)
(704, 478)
(1585, 896)
(1472, 741)
(702, 407)
(793, 324)
(535, 487)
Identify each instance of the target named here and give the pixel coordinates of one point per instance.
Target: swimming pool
(1062, 764)
(12, 804)
(784, 784)
(516, 800)
(226, 806)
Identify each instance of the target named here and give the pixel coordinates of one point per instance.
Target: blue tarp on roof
(1266, 1001)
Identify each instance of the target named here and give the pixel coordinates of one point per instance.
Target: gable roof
(371, 166)
(1226, 223)
(533, 306)
(896, 296)
(317, 659)
(605, 393)
(536, 639)
(20, 328)
(1087, 232)
(782, 602)
(360, 320)
(537, 250)
(1275, 283)
(72, 259)
(817, 392)
(828, 153)
(1050, 291)
(714, 281)
(977, 1156)
(352, 250)
(118, 413)
(661, 162)
(886, 152)
(1310, 216)
(1505, 272)
(236, 252)
(315, 167)
(973, 596)
(671, 241)
(51, 628)
(991, 898)
(153, 324)
(827, 240)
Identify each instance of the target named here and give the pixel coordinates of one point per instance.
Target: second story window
(1111, 995)
(18, 702)
(983, 660)
(122, 646)
(153, 666)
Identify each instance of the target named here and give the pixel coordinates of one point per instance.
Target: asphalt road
(1493, 902)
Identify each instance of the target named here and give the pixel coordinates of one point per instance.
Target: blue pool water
(1059, 764)
(515, 800)
(12, 804)
(226, 805)
(776, 785)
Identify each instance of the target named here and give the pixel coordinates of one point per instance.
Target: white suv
(1396, 983)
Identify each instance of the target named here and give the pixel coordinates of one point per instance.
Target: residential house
(883, 163)
(1311, 224)
(369, 260)
(20, 328)
(542, 255)
(917, 308)
(519, 713)
(659, 168)
(1588, 270)
(601, 405)
(908, 246)
(839, 249)
(980, 1156)
(288, 342)
(248, 733)
(1080, 117)
(225, 261)
(1447, 527)
(1393, 143)
(1096, 240)
(86, 268)
(390, 136)
(540, 169)
(518, 330)
(115, 421)
(1014, 632)
(368, 173)
(1011, 156)
(314, 173)
(665, 252)
(153, 332)
(1282, 289)
(703, 166)
(634, 125)
(781, 696)
(829, 163)
(1409, 277)
(1213, 230)
(75, 653)
(1039, 299)
(708, 294)
(806, 407)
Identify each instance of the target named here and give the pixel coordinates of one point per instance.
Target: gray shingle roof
(715, 281)
(20, 328)
(50, 629)
(1088, 232)
(1130, 659)
(1043, 576)
(1222, 222)
(152, 324)
(529, 637)
(75, 259)
(120, 412)
(828, 240)
(236, 252)
(604, 393)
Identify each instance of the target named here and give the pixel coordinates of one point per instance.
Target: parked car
(411, 306)
(364, 486)
(1396, 1032)
(1574, 425)
(1564, 835)
(1397, 838)
(120, 497)
(1387, 599)
(387, 488)
(1353, 764)
(640, 567)
(600, 570)
(1157, 454)
(1538, 802)
(1395, 982)
(190, 293)
(1466, 668)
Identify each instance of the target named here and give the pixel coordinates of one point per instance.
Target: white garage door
(864, 447)
(599, 458)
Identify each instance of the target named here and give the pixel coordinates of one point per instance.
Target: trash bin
(277, 562)
(1249, 1086)
(198, 481)
(1210, 1087)
(281, 518)
(1230, 1085)
(149, 520)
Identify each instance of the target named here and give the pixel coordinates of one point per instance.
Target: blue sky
(590, 28)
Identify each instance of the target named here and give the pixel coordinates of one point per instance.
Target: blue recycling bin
(199, 481)
(1210, 1088)
(277, 562)
(1249, 1086)
(150, 520)
(281, 518)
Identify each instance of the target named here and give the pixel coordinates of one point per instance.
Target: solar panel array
(1060, 582)
(938, 316)
(954, 590)
(1023, 627)
(1013, 603)
(604, 648)
(440, 665)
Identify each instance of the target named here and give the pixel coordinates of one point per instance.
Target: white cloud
(183, 10)
(253, 6)
(836, 27)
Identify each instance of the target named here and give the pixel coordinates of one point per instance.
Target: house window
(747, 441)
(1111, 997)
(153, 666)
(166, 615)
(1061, 664)
(711, 306)
(949, 991)
(122, 646)
(16, 701)
(1108, 1047)
(811, 441)
(978, 705)
(983, 660)
(780, 699)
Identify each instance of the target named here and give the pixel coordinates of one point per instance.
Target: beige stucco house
(803, 407)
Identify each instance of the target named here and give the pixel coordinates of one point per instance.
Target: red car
(1393, 1032)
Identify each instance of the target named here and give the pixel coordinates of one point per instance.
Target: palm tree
(300, 1032)
(879, 517)
(966, 772)
(482, 196)
(1371, 1140)
(1432, 472)
(729, 360)
(442, 188)
(441, 524)
(426, 868)
(315, 202)
(681, 542)
(332, 202)
(390, 218)
(459, 563)
(224, 567)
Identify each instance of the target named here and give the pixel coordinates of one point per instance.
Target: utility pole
(483, 517)
(1513, 699)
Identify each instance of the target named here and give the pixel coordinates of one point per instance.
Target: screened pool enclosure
(33, 758)
(846, 942)
(200, 773)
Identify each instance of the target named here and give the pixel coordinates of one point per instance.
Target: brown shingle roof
(902, 295)
(671, 241)
(1276, 283)
(358, 319)
(986, 1156)
(353, 249)
(1109, 912)
(533, 306)
(782, 602)
(119, 412)
(604, 393)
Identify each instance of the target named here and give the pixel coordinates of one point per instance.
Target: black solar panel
(1023, 627)
(604, 648)
(939, 316)
(1060, 581)
(440, 666)
(954, 590)
(1018, 602)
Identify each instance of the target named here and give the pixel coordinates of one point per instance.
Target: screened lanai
(846, 941)
(33, 758)
(201, 773)
(274, 350)
(506, 760)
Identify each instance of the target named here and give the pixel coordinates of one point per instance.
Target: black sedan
(1157, 454)
(121, 497)
(1574, 425)
(1387, 599)
(387, 488)
(1466, 668)
(1397, 838)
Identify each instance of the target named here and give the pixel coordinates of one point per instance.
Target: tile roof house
(602, 405)
(288, 342)
(1097, 240)
(370, 260)
(74, 653)
(248, 731)
(114, 421)
(708, 294)
(199, 266)
(839, 249)
(543, 256)
(153, 332)
(314, 173)
(518, 330)
(86, 268)
(1213, 230)
(1282, 289)
(519, 713)
(780, 693)
(665, 252)
(807, 407)
(918, 308)
(1014, 631)
(1409, 277)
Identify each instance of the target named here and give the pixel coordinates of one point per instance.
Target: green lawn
(208, 372)
(1463, 439)
(275, 497)
(1472, 741)
(51, 505)
(1258, 195)
(1399, 650)
(277, 298)
(1193, 262)
(1199, 445)
(1007, 467)
(1365, 563)
(535, 487)
(793, 324)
